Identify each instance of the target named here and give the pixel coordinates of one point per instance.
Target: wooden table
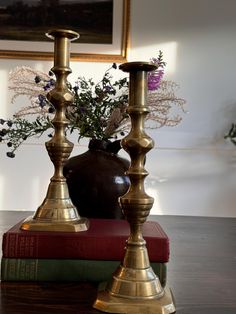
(201, 272)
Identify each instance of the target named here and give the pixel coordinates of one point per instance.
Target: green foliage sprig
(232, 134)
(99, 109)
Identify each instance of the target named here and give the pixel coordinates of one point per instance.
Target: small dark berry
(2, 121)
(37, 79)
(51, 109)
(10, 154)
(9, 123)
(9, 144)
(3, 132)
(24, 138)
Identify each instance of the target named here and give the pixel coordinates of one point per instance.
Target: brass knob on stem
(135, 288)
(57, 212)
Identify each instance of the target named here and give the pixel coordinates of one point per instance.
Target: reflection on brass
(135, 288)
(57, 213)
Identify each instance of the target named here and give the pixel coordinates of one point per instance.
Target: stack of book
(91, 255)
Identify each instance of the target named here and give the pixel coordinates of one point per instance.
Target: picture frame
(117, 51)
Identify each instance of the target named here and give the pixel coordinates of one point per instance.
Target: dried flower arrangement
(98, 110)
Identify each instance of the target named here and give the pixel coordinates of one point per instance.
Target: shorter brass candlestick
(57, 213)
(135, 288)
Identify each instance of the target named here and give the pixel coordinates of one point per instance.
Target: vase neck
(104, 145)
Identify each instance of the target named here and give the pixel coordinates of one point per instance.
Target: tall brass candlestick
(135, 288)
(57, 213)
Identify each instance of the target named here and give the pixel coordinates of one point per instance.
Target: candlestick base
(77, 225)
(105, 302)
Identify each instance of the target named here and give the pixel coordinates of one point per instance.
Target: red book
(104, 240)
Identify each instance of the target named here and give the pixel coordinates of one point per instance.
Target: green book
(64, 270)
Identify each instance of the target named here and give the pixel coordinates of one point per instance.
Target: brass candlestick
(134, 287)
(57, 213)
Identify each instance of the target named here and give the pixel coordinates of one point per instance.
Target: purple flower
(154, 79)
(108, 88)
(47, 86)
(82, 110)
(51, 82)
(42, 100)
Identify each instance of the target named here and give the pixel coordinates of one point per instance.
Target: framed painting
(103, 26)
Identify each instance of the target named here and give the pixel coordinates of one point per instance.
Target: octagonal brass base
(32, 224)
(105, 302)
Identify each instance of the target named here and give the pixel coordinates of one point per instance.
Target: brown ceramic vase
(96, 179)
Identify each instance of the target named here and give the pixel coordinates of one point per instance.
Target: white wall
(192, 168)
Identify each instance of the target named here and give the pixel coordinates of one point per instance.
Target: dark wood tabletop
(201, 272)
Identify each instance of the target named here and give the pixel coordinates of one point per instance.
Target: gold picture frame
(115, 52)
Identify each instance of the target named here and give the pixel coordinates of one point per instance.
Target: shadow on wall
(169, 50)
(167, 20)
(192, 182)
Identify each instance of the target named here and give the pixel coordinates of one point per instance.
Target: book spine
(14, 245)
(43, 247)
(67, 270)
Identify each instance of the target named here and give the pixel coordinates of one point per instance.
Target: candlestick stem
(57, 212)
(135, 288)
